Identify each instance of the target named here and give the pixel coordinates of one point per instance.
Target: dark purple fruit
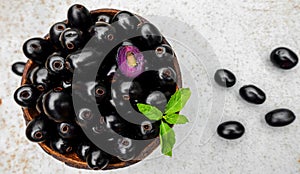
(83, 61)
(150, 35)
(103, 32)
(103, 18)
(157, 99)
(146, 130)
(42, 79)
(90, 92)
(55, 32)
(231, 130)
(252, 94)
(71, 39)
(125, 21)
(58, 105)
(39, 104)
(18, 68)
(167, 74)
(79, 17)
(61, 145)
(115, 123)
(97, 159)
(68, 130)
(56, 65)
(86, 116)
(37, 49)
(225, 78)
(284, 58)
(39, 129)
(280, 117)
(83, 149)
(125, 149)
(26, 96)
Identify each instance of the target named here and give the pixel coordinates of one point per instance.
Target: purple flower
(130, 61)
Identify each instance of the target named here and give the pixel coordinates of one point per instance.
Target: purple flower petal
(130, 61)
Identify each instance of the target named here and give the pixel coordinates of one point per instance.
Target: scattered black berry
(231, 130)
(225, 78)
(252, 94)
(280, 117)
(18, 68)
(284, 58)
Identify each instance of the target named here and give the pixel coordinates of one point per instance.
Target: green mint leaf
(177, 101)
(176, 119)
(151, 112)
(167, 138)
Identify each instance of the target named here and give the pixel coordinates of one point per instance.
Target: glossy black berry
(90, 92)
(79, 17)
(146, 130)
(18, 68)
(42, 79)
(167, 74)
(26, 96)
(115, 123)
(97, 159)
(61, 145)
(39, 104)
(103, 32)
(56, 65)
(231, 130)
(225, 78)
(83, 61)
(84, 149)
(39, 129)
(55, 32)
(125, 149)
(150, 35)
(284, 58)
(103, 18)
(68, 130)
(252, 94)
(125, 21)
(71, 39)
(37, 49)
(85, 117)
(280, 117)
(157, 99)
(58, 105)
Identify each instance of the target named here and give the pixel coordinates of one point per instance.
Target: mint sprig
(170, 116)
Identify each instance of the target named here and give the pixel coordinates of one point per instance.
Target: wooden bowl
(72, 159)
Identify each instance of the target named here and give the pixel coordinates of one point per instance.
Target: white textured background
(242, 34)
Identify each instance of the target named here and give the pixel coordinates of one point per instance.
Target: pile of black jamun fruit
(139, 68)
